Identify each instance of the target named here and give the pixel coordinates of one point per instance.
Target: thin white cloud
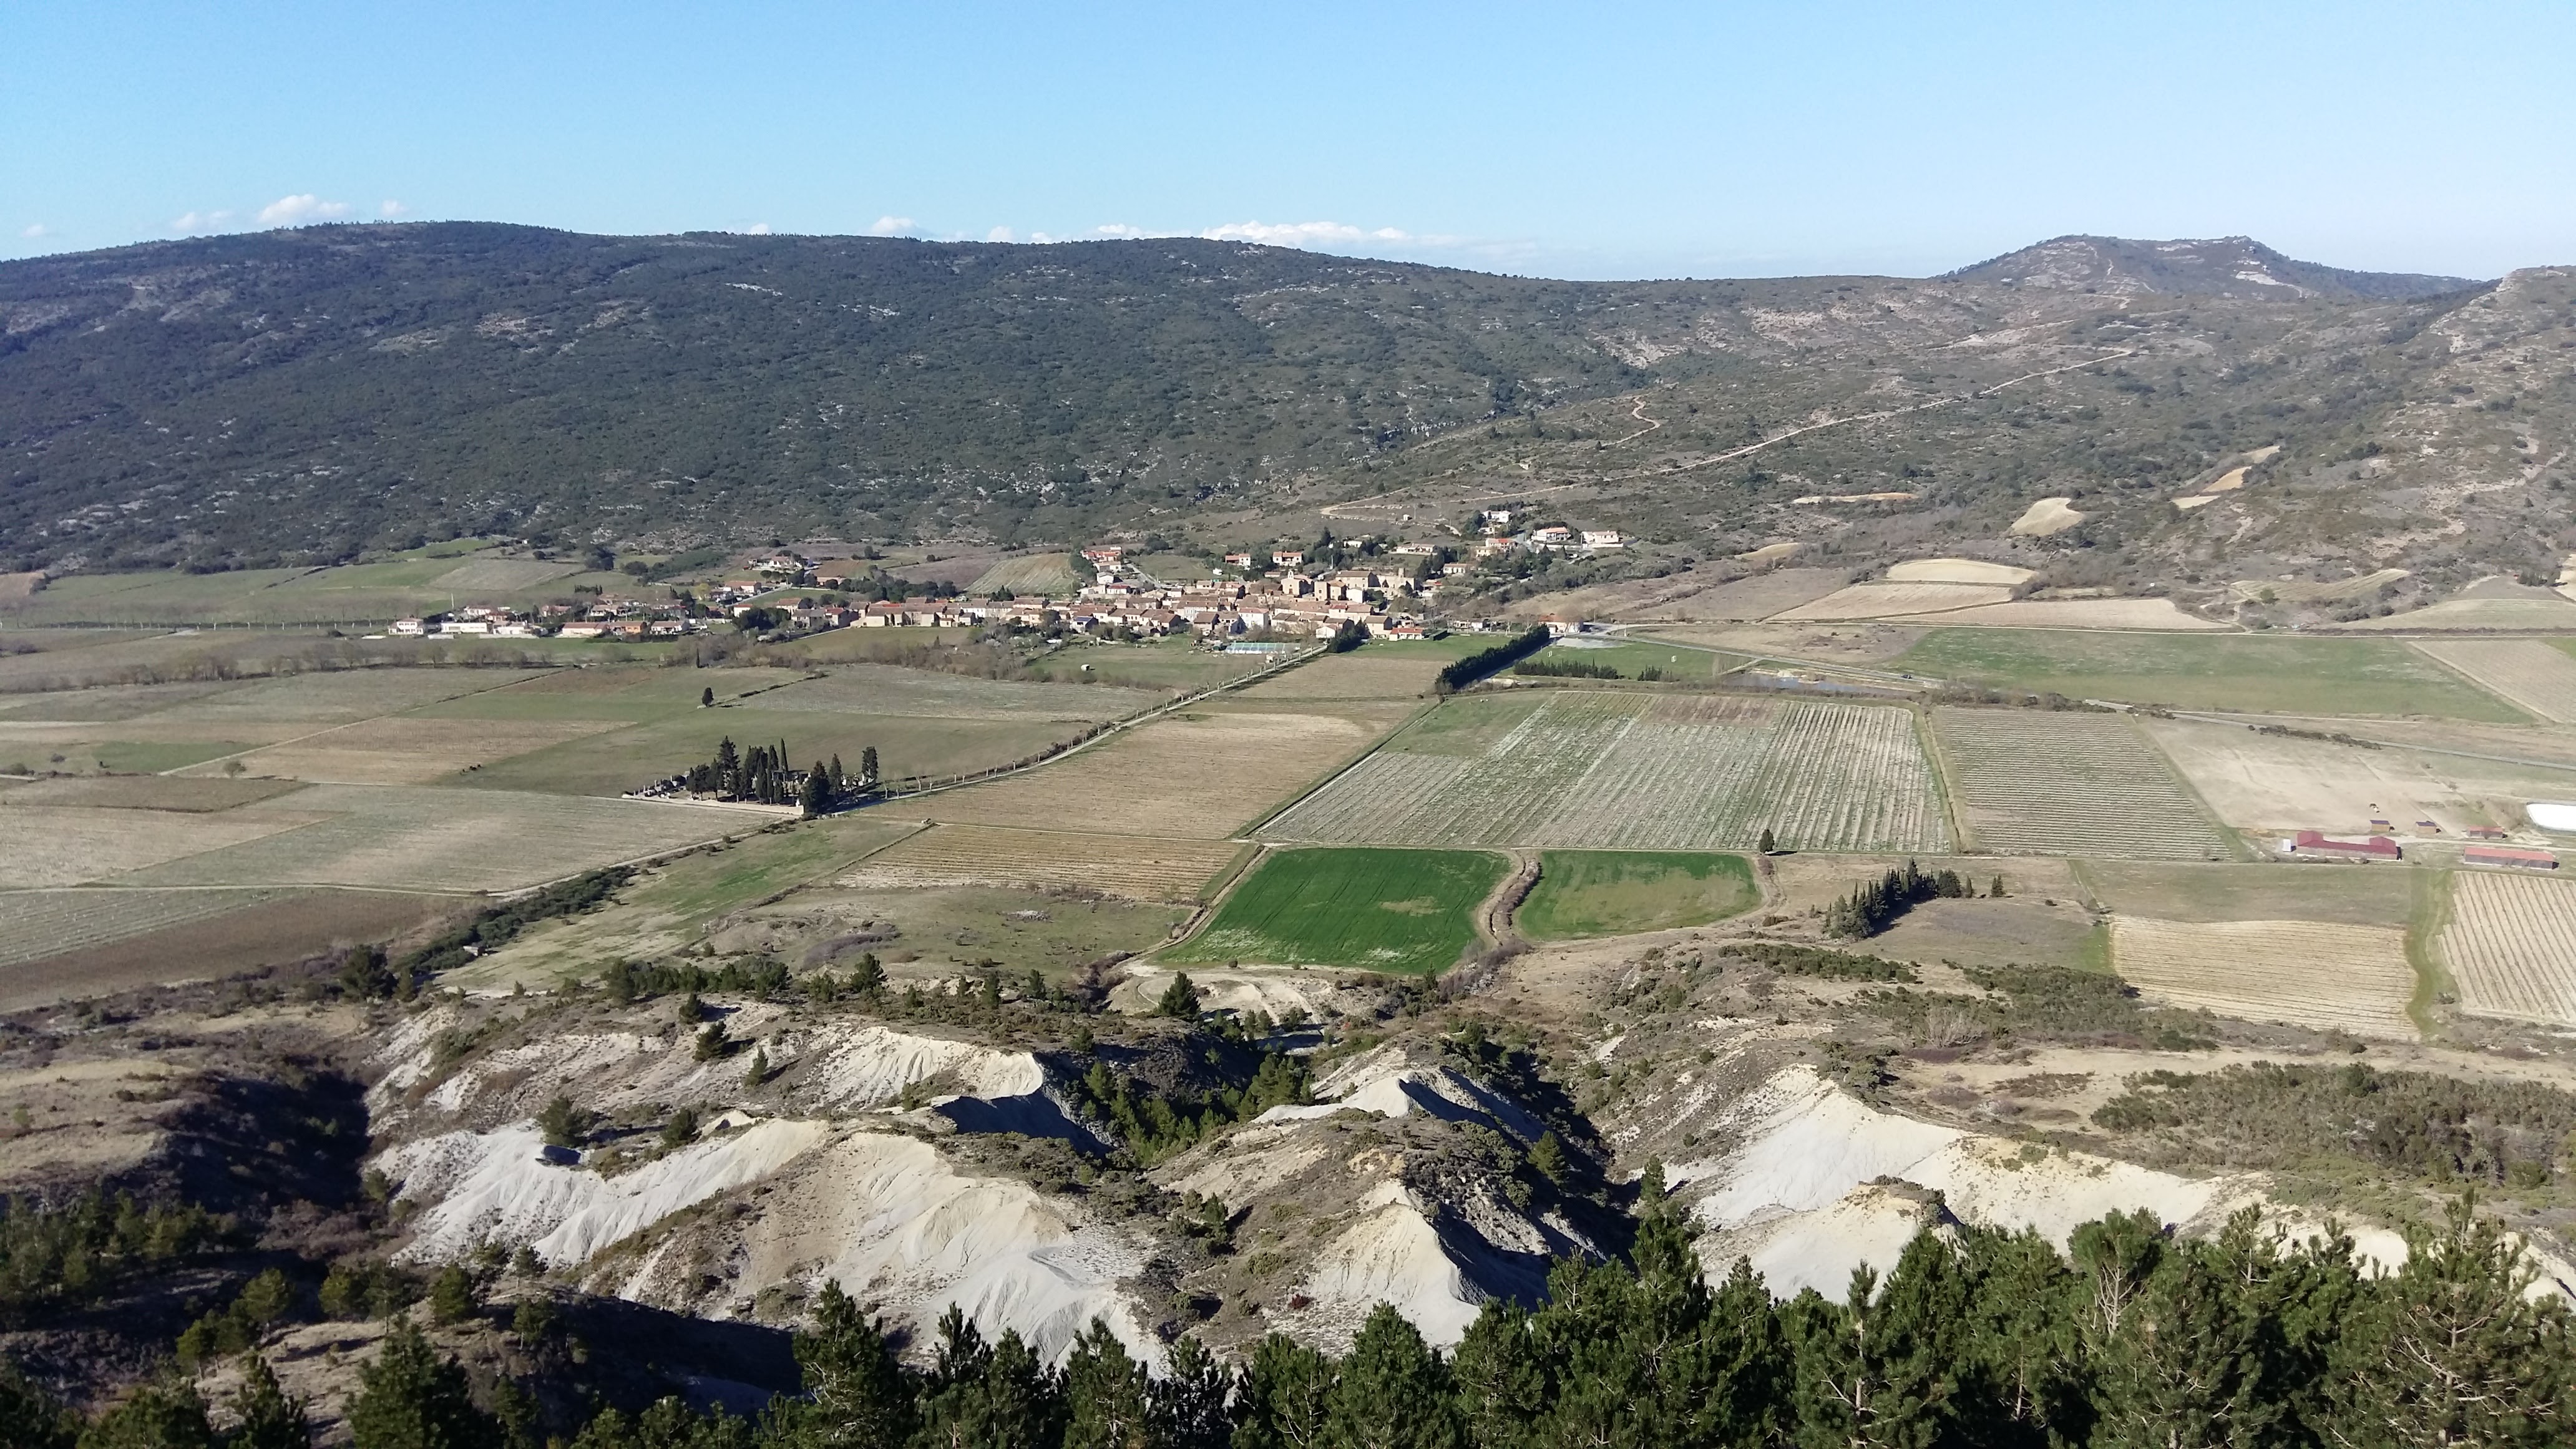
(1042, 238)
(200, 220)
(297, 210)
(891, 226)
(1303, 233)
(36, 231)
(391, 209)
(1123, 231)
(998, 234)
(757, 228)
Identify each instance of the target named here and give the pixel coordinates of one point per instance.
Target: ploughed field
(2511, 946)
(1384, 910)
(2328, 976)
(2069, 784)
(1138, 867)
(1574, 768)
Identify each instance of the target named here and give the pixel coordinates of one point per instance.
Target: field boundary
(1251, 828)
(1236, 874)
(2430, 916)
(2529, 714)
(1108, 730)
(1935, 756)
(2237, 848)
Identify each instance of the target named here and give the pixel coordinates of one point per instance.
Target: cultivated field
(66, 845)
(887, 689)
(1620, 892)
(2069, 784)
(1877, 601)
(435, 839)
(147, 792)
(35, 924)
(1202, 774)
(1378, 671)
(1586, 768)
(340, 696)
(2283, 783)
(2331, 591)
(664, 909)
(2307, 973)
(401, 750)
(1385, 910)
(906, 745)
(501, 575)
(2528, 672)
(276, 927)
(1037, 573)
(1124, 865)
(2297, 675)
(1758, 597)
(2511, 616)
(2511, 946)
(2176, 891)
(2146, 614)
(1957, 571)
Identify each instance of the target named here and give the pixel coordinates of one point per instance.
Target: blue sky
(1651, 139)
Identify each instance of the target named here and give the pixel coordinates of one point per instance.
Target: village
(1276, 594)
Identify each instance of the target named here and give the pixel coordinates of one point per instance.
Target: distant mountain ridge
(310, 396)
(2231, 266)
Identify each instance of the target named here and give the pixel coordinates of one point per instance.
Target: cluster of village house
(1273, 593)
(604, 619)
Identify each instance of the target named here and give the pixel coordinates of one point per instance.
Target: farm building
(2509, 856)
(2377, 847)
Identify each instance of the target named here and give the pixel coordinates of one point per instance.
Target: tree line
(763, 776)
(1976, 1337)
(1494, 660)
(1874, 905)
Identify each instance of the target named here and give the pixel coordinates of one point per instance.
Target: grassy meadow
(1616, 892)
(2258, 673)
(1384, 910)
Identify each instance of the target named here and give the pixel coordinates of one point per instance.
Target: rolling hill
(307, 396)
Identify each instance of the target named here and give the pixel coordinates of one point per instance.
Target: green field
(1174, 665)
(1617, 892)
(1382, 910)
(2209, 671)
(414, 583)
(906, 745)
(1696, 666)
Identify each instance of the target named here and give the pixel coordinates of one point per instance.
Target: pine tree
(264, 1416)
(413, 1397)
(999, 1397)
(857, 1396)
(1286, 1397)
(1179, 1000)
(2453, 1353)
(758, 1076)
(1769, 845)
(28, 1416)
(1189, 1402)
(1393, 1392)
(1106, 1394)
(451, 1294)
(706, 696)
(169, 1415)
